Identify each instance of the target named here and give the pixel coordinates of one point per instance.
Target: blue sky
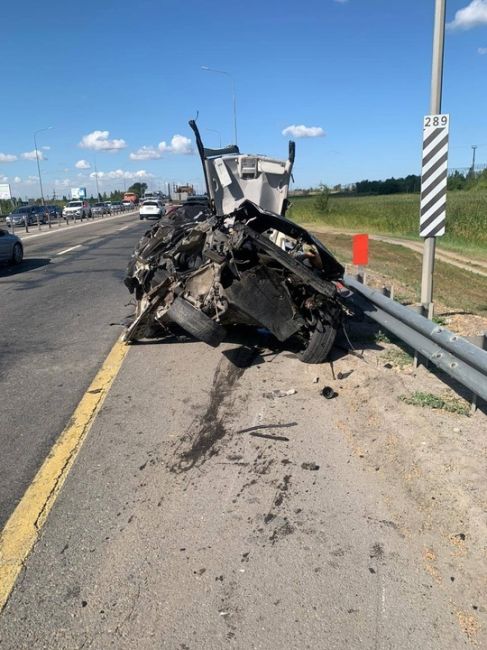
(359, 70)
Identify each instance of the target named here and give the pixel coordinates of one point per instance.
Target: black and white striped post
(435, 149)
(434, 174)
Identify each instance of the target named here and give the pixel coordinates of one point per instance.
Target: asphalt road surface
(210, 506)
(60, 314)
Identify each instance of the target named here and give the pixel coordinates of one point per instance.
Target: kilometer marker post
(435, 110)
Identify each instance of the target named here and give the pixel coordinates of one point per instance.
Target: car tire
(321, 339)
(141, 217)
(195, 322)
(17, 254)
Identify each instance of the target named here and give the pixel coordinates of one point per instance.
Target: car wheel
(321, 339)
(17, 254)
(141, 217)
(195, 322)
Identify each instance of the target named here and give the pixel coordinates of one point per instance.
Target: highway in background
(61, 313)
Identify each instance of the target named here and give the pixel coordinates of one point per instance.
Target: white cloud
(472, 15)
(180, 144)
(482, 50)
(145, 153)
(31, 180)
(120, 173)
(7, 157)
(98, 141)
(31, 155)
(83, 164)
(341, 2)
(301, 131)
(17, 179)
(4, 179)
(46, 148)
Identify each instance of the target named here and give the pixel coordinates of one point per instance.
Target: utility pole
(96, 180)
(435, 109)
(474, 147)
(37, 159)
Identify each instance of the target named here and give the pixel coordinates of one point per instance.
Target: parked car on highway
(237, 260)
(151, 210)
(99, 210)
(116, 206)
(108, 206)
(11, 249)
(27, 214)
(128, 205)
(75, 209)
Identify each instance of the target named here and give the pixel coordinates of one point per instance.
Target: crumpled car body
(234, 261)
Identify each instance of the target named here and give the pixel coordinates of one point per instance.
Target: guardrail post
(49, 220)
(26, 224)
(480, 340)
(38, 222)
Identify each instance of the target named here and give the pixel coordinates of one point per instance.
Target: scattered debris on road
(328, 392)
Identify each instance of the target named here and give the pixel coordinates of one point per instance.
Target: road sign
(434, 175)
(5, 194)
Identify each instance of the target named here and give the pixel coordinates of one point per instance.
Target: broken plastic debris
(280, 393)
(316, 380)
(311, 466)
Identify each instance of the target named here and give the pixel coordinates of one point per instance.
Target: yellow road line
(24, 525)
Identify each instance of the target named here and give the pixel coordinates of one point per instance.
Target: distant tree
(456, 181)
(322, 199)
(138, 188)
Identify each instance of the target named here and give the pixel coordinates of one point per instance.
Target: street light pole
(435, 109)
(219, 135)
(37, 159)
(205, 67)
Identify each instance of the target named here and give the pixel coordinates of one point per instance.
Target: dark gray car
(27, 214)
(11, 249)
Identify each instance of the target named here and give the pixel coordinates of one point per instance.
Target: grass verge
(398, 215)
(455, 288)
(429, 400)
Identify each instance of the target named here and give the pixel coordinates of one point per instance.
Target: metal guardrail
(461, 360)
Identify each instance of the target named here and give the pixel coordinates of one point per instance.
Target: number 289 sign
(434, 175)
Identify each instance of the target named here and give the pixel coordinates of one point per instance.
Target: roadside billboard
(5, 194)
(78, 192)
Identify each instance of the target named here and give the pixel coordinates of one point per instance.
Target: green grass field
(398, 215)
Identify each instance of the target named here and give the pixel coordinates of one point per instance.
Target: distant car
(54, 211)
(75, 209)
(98, 210)
(11, 249)
(116, 206)
(27, 214)
(151, 210)
(128, 205)
(108, 206)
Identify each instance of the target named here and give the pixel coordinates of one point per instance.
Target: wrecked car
(235, 259)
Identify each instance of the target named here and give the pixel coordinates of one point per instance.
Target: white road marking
(67, 250)
(123, 228)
